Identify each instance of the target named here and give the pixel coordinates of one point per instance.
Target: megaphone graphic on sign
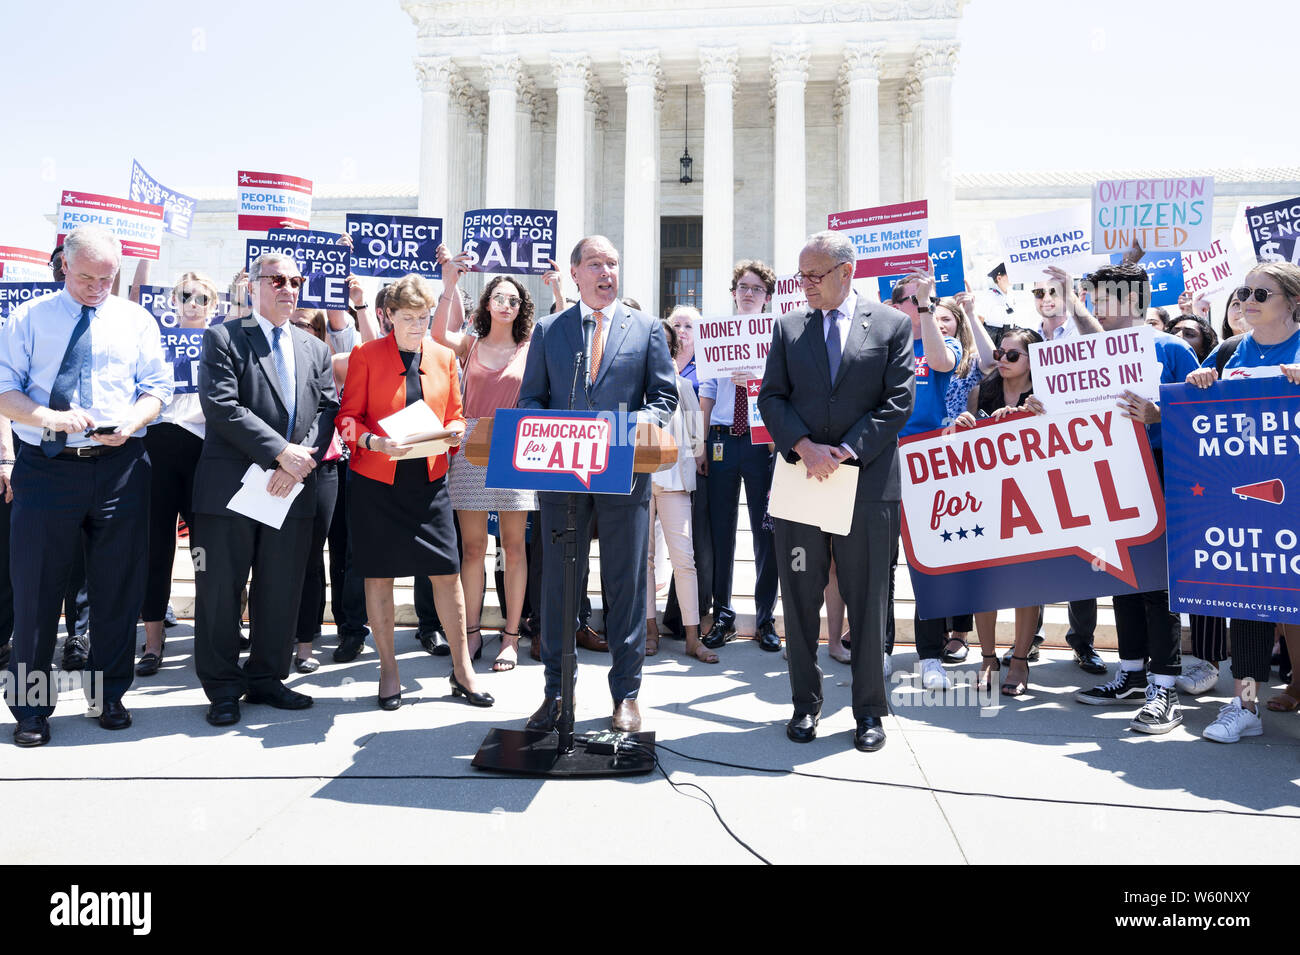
(1271, 491)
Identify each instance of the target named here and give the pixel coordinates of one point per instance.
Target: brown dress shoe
(589, 639)
(626, 718)
(547, 715)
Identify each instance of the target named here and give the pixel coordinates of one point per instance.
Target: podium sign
(580, 452)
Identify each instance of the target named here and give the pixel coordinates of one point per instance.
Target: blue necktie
(73, 377)
(286, 383)
(833, 344)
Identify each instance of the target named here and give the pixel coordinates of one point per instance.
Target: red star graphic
(1197, 490)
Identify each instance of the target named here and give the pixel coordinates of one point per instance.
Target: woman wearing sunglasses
(1270, 307)
(492, 363)
(999, 395)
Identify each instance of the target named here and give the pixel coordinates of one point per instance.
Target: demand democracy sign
(389, 247)
(1165, 269)
(1160, 215)
(137, 224)
(727, 344)
(323, 265)
(1060, 237)
(890, 240)
(1031, 509)
(1090, 372)
(1274, 229)
(513, 241)
(13, 294)
(178, 209)
(24, 265)
(1232, 473)
(949, 269)
(271, 200)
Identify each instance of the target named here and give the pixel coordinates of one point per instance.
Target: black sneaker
(1127, 687)
(719, 635)
(1160, 713)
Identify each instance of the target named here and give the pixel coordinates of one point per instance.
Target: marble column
(861, 79)
(908, 115)
(524, 104)
(436, 75)
(935, 62)
(501, 74)
(718, 74)
(572, 72)
(640, 176)
(789, 68)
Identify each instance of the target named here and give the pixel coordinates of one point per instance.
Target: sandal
(503, 664)
(479, 652)
(985, 679)
(1016, 689)
(1288, 701)
(651, 644)
(700, 652)
(149, 664)
(956, 656)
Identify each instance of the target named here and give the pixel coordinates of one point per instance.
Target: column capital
(935, 58)
(597, 103)
(501, 71)
(466, 98)
(909, 94)
(571, 70)
(718, 66)
(861, 61)
(640, 67)
(789, 63)
(435, 74)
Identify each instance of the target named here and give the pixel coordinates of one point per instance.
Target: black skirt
(404, 529)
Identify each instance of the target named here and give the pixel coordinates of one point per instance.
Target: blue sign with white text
(575, 451)
(13, 294)
(323, 264)
(949, 269)
(512, 241)
(178, 209)
(389, 247)
(157, 301)
(1166, 272)
(182, 347)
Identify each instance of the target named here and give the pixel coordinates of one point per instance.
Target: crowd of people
(102, 459)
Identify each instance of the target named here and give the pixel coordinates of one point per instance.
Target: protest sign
(1060, 237)
(1165, 269)
(1232, 489)
(323, 265)
(1210, 271)
(1160, 215)
(890, 240)
(13, 294)
(308, 236)
(24, 265)
(157, 301)
(758, 433)
(1031, 509)
(138, 225)
(512, 241)
(392, 246)
(1090, 372)
(788, 295)
(1274, 229)
(949, 269)
(726, 344)
(576, 451)
(271, 200)
(178, 209)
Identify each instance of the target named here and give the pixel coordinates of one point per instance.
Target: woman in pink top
(492, 357)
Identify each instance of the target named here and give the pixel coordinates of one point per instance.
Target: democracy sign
(157, 301)
(182, 347)
(949, 269)
(726, 344)
(308, 236)
(514, 241)
(788, 295)
(13, 294)
(758, 433)
(1165, 269)
(1031, 509)
(1160, 215)
(1090, 372)
(323, 265)
(890, 240)
(178, 209)
(24, 265)
(270, 200)
(1059, 237)
(138, 225)
(1232, 489)
(1274, 229)
(389, 247)
(577, 451)
(1210, 271)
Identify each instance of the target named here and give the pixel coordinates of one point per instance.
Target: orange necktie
(597, 346)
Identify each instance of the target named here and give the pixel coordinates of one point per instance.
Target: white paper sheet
(826, 504)
(415, 419)
(255, 501)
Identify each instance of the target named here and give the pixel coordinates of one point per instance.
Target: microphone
(588, 331)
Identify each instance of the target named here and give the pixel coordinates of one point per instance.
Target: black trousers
(751, 464)
(56, 501)
(174, 453)
(6, 585)
(347, 590)
(930, 635)
(311, 609)
(1144, 627)
(1252, 649)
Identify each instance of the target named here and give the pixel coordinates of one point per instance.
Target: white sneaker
(1201, 677)
(1233, 722)
(888, 667)
(933, 676)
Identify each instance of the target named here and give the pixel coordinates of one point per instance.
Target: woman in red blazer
(399, 514)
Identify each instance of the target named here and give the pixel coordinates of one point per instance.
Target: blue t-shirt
(1177, 361)
(1251, 354)
(929, 411)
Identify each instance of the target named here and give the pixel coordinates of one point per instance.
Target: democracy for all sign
(24, 265)
(13, 294)
(323, 264)
(728, 344)
(1274, 229)
(1160, 215)
(1031, 509)
(1232, 488)
(137, 224)
(890, 240)
(178, 209)
(1061, 237)
(1210, 271)
(272, 200)
(949, 270)
(1091, 372)
(513, 241)
(389, 247)
(1165, 270)
(582, 452)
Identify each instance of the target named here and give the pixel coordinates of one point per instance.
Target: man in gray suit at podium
(631, 374)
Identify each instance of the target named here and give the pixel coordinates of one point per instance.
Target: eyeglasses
(1012, 355)
(1261, 295)
(812, 278)
(1040, 293)
(503, 300)
(200, 298)
(279, 281)
(744, 289)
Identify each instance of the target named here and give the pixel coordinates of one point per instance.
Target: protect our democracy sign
(890, 240)
(1232, 489)
(1160, 215)
(392, 246)
(323, 264)
(1061, 237)
(513, 241)
(1165, 269)
(727, 344)
(178, 209)
(271, 200)
(13, 294)
(1274, 229)
(949, 269)
(24, 265)
(1210, 271)
(138, 225)
(1090, 372)
(1031, 509)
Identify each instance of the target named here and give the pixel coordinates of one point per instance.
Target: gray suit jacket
(247, 417)
(864, 408)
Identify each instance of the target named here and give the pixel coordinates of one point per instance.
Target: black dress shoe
(870, 735)
(547, 715)
(115, 716)
(802, 727)
(279, 696)
(149, 664)
(719, 635)
(33, 731)
(223, 712)
(767, 638)
(435, 643)
(472, 698)
(391, 702)
(76, 650)
(348, 649)
(1089, 661)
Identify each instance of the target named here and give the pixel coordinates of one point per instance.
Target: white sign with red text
(138, 225)
(1091, 372)
(727, 344)
(890, 240)
(24, 265)
(758, 433)
(272, 200)
(788, 296)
